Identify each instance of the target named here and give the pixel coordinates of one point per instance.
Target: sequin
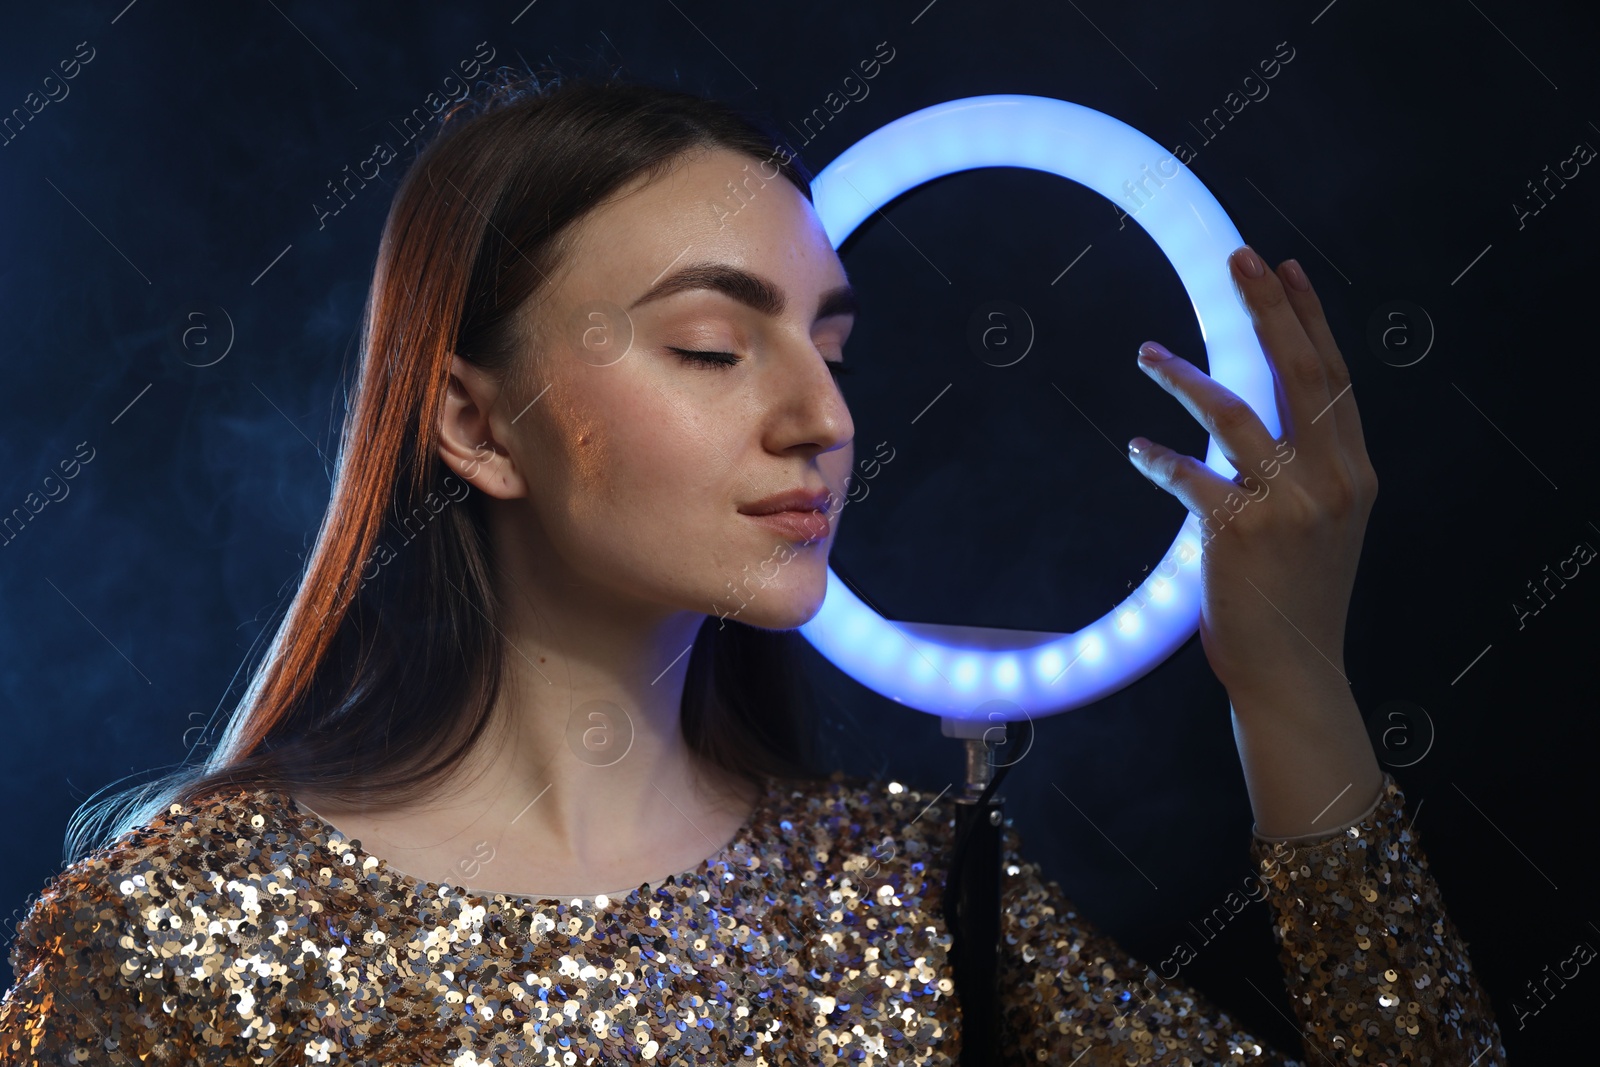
(243, 930)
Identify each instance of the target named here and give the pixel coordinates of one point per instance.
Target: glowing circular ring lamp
(967, 683)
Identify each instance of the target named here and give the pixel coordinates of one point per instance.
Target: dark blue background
(1387, 157)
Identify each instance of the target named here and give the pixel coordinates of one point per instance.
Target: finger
(1197, 487)
(1227, 418)
(1347, 417)
(1295, 361)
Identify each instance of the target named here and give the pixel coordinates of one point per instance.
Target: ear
(467, 442)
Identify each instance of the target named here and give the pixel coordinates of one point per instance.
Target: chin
(777, 607)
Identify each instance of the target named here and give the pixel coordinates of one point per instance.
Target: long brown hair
(382, 675)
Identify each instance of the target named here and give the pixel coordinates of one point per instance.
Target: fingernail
(1296, 275)
(1151, 352)
(1250, 264)
(1137, 446)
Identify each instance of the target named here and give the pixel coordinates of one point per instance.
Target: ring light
(964, 681)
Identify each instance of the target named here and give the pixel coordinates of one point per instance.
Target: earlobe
(466, 443)
(485, 466)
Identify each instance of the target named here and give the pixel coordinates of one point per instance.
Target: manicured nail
(1151, 352)
(1296, 275)
(1250, 264)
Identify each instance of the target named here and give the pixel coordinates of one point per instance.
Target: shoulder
(115, 877)
(162, 912)
(865, 816)
(867, 799)
(129, 890)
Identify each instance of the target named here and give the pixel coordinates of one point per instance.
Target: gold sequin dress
(246, 930)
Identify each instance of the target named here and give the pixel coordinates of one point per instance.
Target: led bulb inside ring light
(911, 664)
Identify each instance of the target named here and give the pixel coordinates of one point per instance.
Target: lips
(804, 526)
(798, 514)
(802, 500)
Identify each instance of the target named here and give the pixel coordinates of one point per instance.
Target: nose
(806, 410)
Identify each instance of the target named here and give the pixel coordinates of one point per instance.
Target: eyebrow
(749, 289)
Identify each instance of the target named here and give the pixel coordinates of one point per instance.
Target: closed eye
(728, 359)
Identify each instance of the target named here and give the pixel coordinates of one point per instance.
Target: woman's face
(640, 462)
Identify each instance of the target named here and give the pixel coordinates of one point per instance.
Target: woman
(526, 657)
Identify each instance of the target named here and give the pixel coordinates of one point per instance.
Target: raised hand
(1283, 537)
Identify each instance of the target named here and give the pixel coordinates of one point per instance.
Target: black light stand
(972, 890)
